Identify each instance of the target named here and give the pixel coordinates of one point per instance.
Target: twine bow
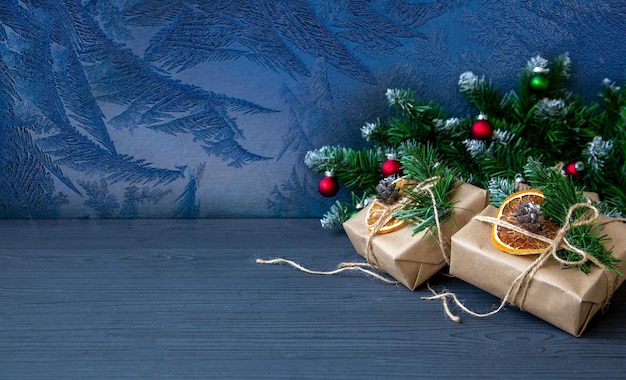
(387, 215)
(518, 290)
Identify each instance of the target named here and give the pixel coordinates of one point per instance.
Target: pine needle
(560, 194)
(420, 162)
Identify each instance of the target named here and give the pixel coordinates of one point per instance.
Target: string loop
(371, 265)
(342, 268)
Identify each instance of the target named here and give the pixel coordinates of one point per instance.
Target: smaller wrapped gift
(538, 283)
(413, 258)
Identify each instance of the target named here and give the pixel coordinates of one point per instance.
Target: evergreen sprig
(560, 194)
(338, 213)
(420, 163)
(553, 125)
(480, 93)
(341, 211)
(358, 170)
(416, 120)
(499, 189)
(605, 155)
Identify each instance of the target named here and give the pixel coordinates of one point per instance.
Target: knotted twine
(370, 257)
(387, 215)
(517, 292)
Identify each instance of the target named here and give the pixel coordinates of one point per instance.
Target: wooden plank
(186, 299)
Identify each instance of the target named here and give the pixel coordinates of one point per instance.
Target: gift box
(413, 259)
(564, 297)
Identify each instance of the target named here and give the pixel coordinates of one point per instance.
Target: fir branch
(505, 160)
(553, 126)
(480, 93)
(420, 162)
(557, 72)
(449, 125)
(613, 99)
(504, 156)
(403, 99)
(416, 120)
(560, 194)
(560, 71)
(370, 129)
(610, 211)
(421, 211)
(559, 191)
(588, 239)
(339, 212)
(356, 169)
(598, 150)
(606, 159)
(499, 189)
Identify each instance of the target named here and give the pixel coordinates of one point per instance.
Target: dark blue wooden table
(185, 299)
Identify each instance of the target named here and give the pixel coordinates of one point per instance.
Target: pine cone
(530, 216)
(387, 191)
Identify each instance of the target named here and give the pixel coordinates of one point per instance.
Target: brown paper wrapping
(566, 298)
(414, 259)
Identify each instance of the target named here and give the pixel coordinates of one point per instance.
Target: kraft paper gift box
(565, 297)
(413, 259)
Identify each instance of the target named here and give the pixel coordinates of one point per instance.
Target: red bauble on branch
(328, 186)
(481, 129)
(574, 169)
(391, 166)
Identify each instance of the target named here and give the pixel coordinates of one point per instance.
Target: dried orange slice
(401, 183)
(514, 242)
(375, 212)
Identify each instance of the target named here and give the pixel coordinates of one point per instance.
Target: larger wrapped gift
(413, 259)
(564, 297)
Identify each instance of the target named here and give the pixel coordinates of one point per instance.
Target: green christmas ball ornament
(539, 82)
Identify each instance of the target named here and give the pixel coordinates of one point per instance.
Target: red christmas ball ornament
(574, 169)
(391, 166)
(481, 129)
(328, 186)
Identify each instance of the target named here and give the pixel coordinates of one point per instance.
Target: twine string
(371, 266)
(387, 215)
(342, 268)
(445, 255)
(518, 290)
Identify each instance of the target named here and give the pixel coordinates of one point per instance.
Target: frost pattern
(76, 75)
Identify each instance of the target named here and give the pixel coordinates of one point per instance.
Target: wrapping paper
(414, 259)
(566, 298)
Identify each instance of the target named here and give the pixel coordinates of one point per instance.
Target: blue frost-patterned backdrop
(152, 108)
